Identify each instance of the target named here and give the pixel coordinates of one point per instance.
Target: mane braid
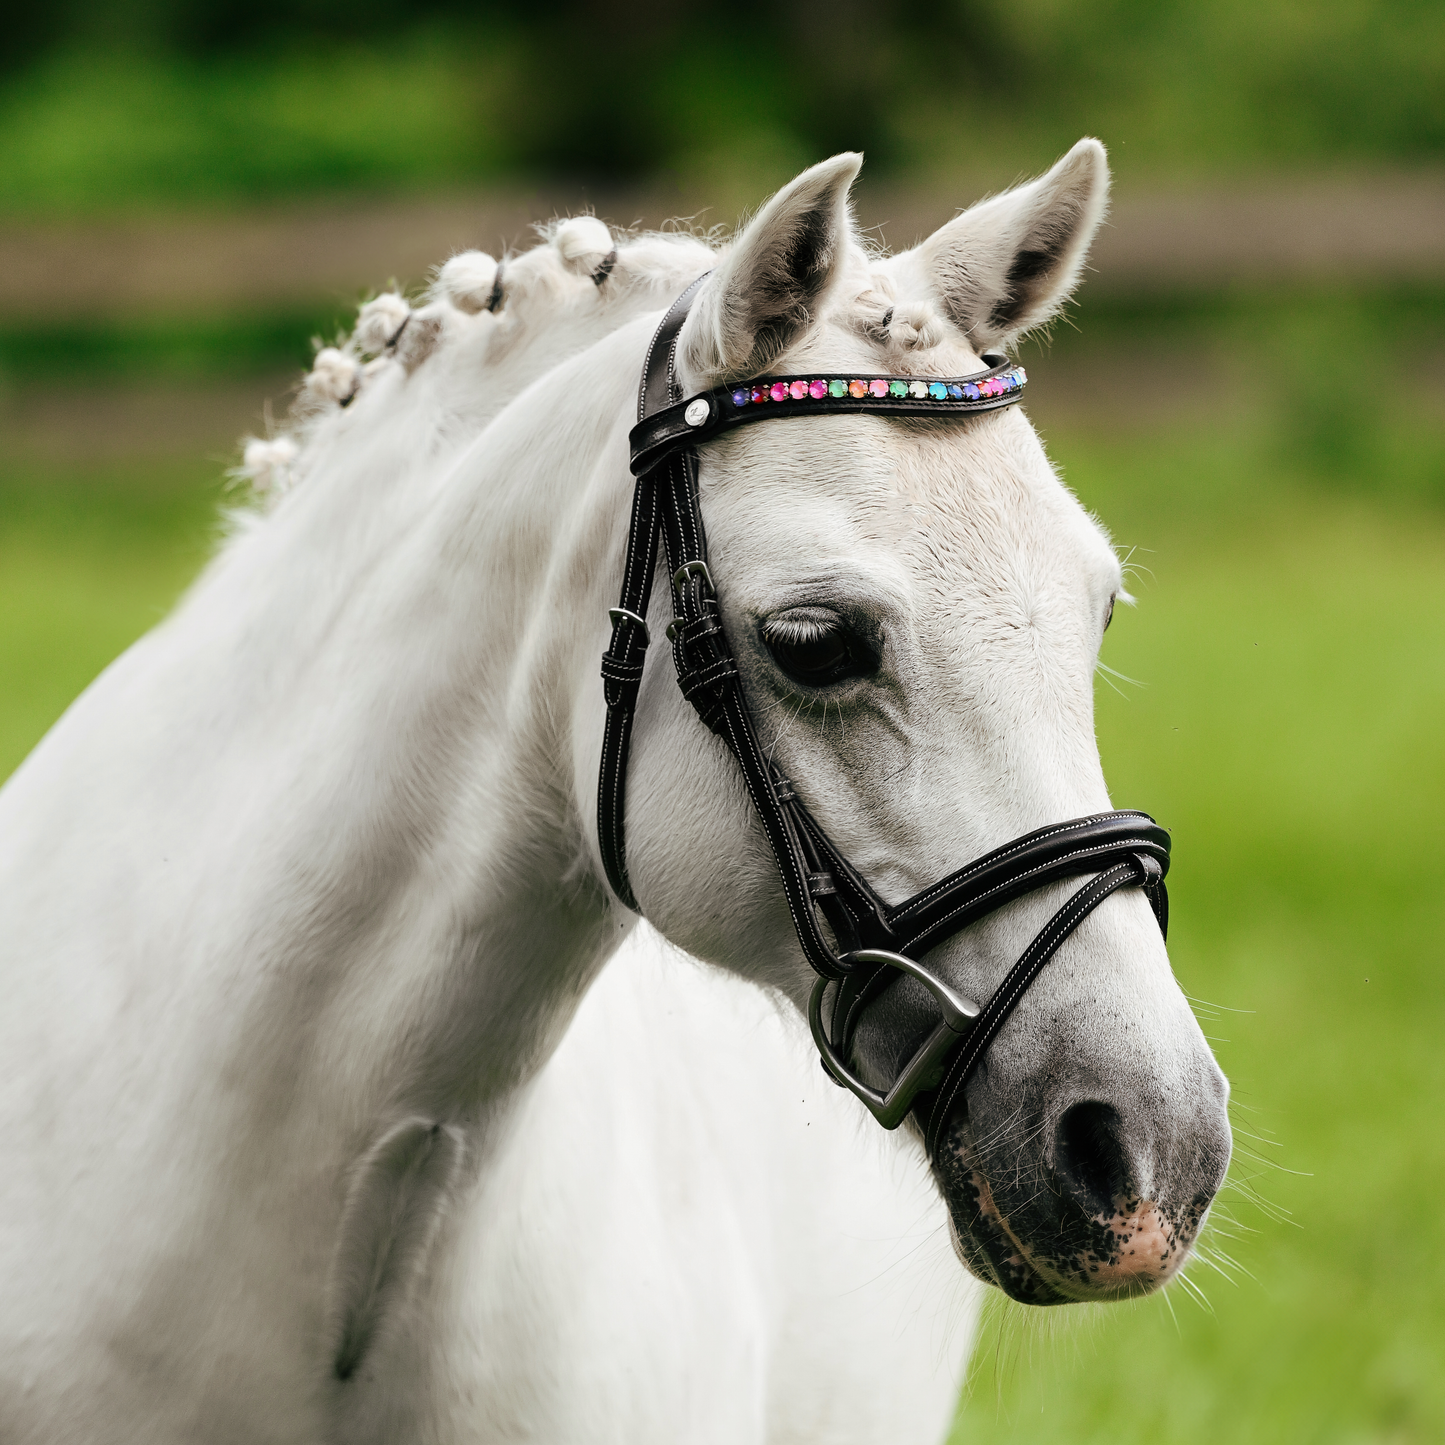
(485, 314)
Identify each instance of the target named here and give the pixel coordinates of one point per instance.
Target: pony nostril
(1090, 1156)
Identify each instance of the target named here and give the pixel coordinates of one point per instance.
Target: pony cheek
(697, 856)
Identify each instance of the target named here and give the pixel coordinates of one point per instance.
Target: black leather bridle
(875, 942)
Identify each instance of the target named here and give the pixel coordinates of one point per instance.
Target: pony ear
(773, 279)
(1008, 264)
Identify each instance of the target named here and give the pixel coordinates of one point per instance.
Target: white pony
(301, 896)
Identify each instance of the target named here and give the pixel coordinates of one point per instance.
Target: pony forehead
(962, 506)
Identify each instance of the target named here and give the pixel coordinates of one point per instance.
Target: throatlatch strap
(622, 665)
(623, 661)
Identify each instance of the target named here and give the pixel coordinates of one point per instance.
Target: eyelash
(837, 652)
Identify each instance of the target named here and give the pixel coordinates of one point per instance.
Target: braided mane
(485, 328)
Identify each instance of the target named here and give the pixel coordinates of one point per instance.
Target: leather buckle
(622, 614)
(690, 569)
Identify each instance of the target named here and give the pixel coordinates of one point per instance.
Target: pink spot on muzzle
(1143, 1247)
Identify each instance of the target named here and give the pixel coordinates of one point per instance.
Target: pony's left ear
(1008, 264)
(773, 279)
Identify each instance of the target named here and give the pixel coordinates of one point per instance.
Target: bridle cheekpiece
(873, 942)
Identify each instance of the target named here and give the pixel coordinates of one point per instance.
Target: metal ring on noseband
(873, 942)
(892, 1108)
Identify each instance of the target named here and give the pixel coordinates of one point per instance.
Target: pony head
(916, 606)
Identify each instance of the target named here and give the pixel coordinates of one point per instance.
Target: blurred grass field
(1289, 652)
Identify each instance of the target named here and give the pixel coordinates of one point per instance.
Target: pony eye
(814, 647)
(1109, 615)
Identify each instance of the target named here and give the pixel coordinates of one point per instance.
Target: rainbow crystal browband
(697, 418)
(798, 388)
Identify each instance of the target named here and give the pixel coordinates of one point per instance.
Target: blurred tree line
(186, 101)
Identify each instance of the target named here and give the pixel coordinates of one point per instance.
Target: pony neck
(361, 725)
(298, 893)
(435, 683)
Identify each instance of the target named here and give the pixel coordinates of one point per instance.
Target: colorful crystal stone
(938, 391)
(857, 388)
(760, 393)
(817, 390)
(879, 387)
(918, 390)
(798, 390)
(778, 391)
(970, 391)
(742, 396)
(897, 388)
(1022, 375)
(837, 388)
(955, 391)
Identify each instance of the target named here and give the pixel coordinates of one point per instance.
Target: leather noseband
(874, 943)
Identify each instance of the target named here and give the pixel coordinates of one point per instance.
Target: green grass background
(1289, 647)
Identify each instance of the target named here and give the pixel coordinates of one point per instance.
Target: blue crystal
(937, 390)
(970, 392)
(741, 398)
(955, 391)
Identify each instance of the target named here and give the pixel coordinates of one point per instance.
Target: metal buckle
(687, 570)
(892, 1108)
(622, 614)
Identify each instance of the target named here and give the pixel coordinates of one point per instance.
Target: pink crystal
(879, 387)
(818, 390)
(778, 391)
(798, 390)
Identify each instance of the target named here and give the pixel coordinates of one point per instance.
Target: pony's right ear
(773, 278)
